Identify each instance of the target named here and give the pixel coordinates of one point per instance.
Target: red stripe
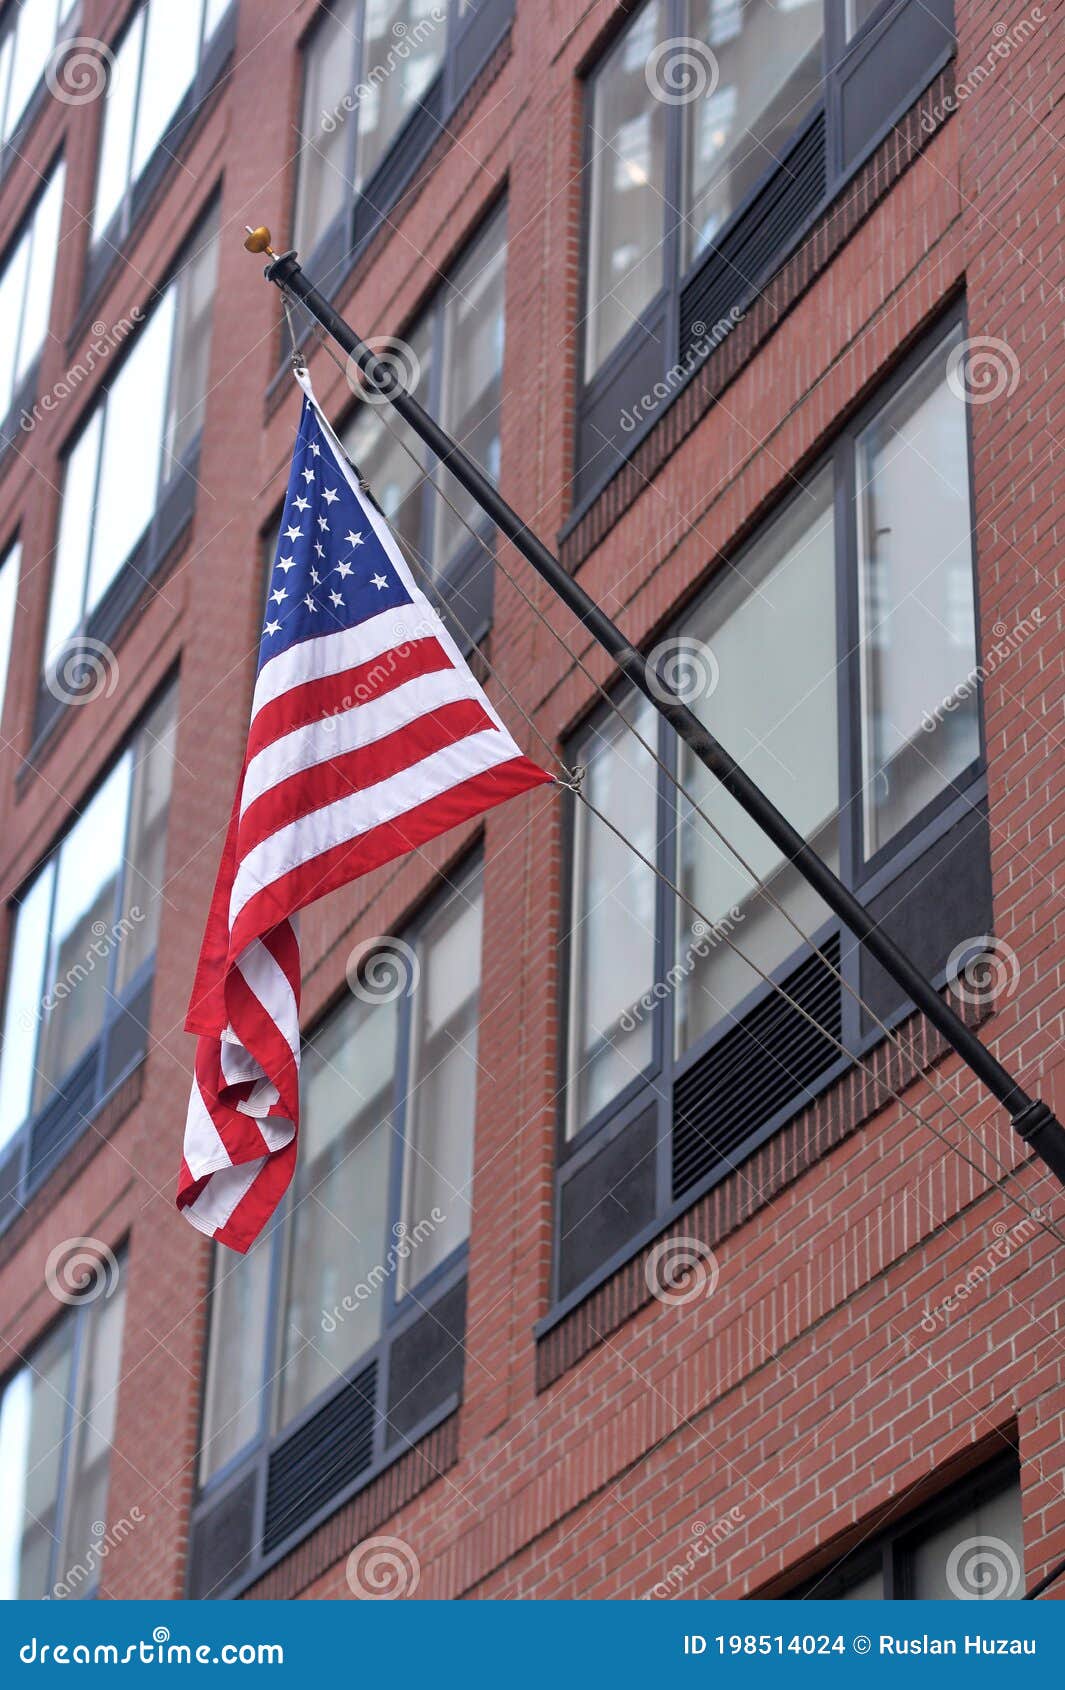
(263, 1039)
(335, 695)
(345, 862)
(308, 790)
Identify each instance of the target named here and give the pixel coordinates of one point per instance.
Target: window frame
(21, 1172)
(919, 839)
(469, 44)
(404, 1307)
(67, 18)
(842, 62)
(24, 387)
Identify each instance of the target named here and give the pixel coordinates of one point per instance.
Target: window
(26, 292)
(29, 31)
(154, 78)
(966, 1546)
(82, 947)
(134, 456)
(367, 1261)
(10, 565)
(836, 659)
(715, 131)
(57, 1415)
(375, 71)
(456, 358)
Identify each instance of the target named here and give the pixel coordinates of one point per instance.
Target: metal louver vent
(323, 1456)
(752, 249)
(755, 1070)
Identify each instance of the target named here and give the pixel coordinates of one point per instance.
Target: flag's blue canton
(330, 571)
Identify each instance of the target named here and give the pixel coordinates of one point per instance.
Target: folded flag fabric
(369, 736)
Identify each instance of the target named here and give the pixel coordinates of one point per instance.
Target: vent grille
(320, 1459)
(757, 243)
(759, 1067)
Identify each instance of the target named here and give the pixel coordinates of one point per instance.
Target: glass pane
(12, 300)
(171, 50)
(613, 916)
(442, 1085)
(113, 172)
(979, 1556)
(858, 14)
(868, 1589)
(626, 223)
(34, 1417)
(7, 113)
(395, 478)
(393, 82)
(66, 605)
(920, 705)
(9, 574)
(85, 1486)
(76, 998)
(760, 658)
(34, 39)
(192, 346)
(236, 1354)
(132, 450)
(213, 15)
(45, 242)
(142, 888)
(322, 185)
(472, 378)
(22, 1014)
(338, 1272)
(764, 76)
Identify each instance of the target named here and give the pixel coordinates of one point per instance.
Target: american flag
(368, 737)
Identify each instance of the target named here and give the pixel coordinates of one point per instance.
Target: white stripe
(331, 654)
(301, 841)
(318, 742)
(268, 983)
(204, 1150)
(214, 1206)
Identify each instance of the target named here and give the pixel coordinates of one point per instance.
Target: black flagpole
(1033, 1119)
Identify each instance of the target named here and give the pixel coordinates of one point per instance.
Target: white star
(379, 581)
(309, 602)
(316, 579)
(278, 594)
(336, 598)
(315, 449)
(286, 563)
(354, 539)
(272, 628)
(308, 475)
(319, 549)
(323, 525)
(330, 495)
(301, 503)
(293, 533)
(343, 569)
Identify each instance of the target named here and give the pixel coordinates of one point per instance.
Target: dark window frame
(890, 1550)
(403, 1309)
(470, 44)
(24, 392)
(83, 1090)
(923, 840)
(831, 143)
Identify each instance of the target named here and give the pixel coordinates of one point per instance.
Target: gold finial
(258, 240)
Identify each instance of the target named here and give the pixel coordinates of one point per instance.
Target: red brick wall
(804, 1398)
